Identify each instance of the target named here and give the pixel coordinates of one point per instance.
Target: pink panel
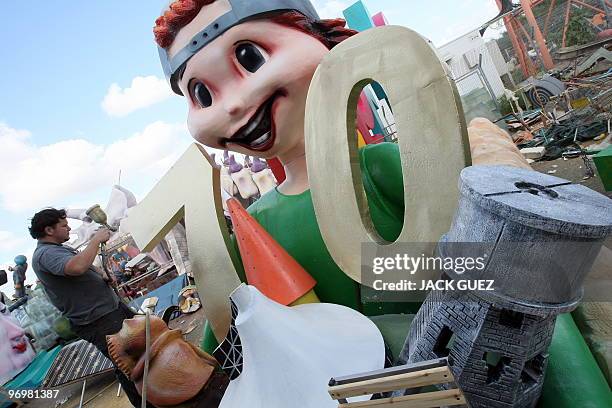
(379, 20)
(365, 120)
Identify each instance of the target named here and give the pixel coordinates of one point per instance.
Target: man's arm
(80, 263)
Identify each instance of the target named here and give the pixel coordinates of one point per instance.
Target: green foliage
(518, 76)
(504, 106)
(504, 41)
(579, 31)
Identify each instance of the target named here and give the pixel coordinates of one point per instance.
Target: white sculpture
(120, 200)
(242, 179)
(290, 353)
(262, 176)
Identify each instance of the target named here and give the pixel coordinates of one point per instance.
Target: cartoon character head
(15, 349)
(244, 68)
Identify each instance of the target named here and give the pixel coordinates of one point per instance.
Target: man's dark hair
(43, 219)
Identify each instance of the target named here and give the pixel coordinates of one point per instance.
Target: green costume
(291, 221)
(282, 215)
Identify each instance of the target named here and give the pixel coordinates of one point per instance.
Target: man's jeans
(96, 333)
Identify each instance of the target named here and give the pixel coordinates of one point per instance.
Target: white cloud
(453, 21)
(9, 242)
(37, 176)
(331, 8)
(142, 93)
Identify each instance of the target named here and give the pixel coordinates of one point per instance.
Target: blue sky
(82, 97)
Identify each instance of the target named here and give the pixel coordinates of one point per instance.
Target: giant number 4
(433, 149)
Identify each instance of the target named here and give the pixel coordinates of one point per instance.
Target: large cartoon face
(246, 90)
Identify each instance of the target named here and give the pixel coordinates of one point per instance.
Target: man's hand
(102, 235)
(81, 262)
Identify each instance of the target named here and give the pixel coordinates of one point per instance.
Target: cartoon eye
(250, 56)
(201, 94)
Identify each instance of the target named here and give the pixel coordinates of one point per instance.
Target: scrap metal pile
(573, 123)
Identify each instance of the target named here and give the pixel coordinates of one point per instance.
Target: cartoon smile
(258, 134)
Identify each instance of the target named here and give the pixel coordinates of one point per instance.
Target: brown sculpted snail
(178, 371)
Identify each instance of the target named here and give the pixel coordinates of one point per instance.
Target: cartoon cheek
(197, 125)
(207, 127)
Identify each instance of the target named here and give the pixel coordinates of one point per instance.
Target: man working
(76, 288)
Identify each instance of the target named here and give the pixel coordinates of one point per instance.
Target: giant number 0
(433, 149)
(433, 142)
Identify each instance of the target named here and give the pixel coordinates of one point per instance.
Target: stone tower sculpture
(539, 235)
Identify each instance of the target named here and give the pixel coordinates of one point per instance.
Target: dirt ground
(573, 170)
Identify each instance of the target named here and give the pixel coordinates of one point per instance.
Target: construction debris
(533, 152)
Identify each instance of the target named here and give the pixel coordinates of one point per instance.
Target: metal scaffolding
(541, 25)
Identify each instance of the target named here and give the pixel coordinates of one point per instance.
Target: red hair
(182, 12)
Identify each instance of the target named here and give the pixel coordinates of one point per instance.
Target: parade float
(287, 302)
(260, 80)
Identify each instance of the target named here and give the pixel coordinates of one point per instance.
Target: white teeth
(261, 140)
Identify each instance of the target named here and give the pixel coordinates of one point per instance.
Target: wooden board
(427, 400)
(415, 379)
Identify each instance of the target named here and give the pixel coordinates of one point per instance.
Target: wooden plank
(389, 372)
(415, 379)
(427, 400)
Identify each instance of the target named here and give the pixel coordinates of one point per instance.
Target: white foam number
(433, 148)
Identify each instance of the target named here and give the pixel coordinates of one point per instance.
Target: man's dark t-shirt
(82, 299)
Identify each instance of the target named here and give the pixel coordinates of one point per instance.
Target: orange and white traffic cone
(267, 265)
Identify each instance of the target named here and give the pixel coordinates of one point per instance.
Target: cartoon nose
(234, 105)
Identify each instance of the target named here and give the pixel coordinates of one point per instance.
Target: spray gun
(98, 216)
